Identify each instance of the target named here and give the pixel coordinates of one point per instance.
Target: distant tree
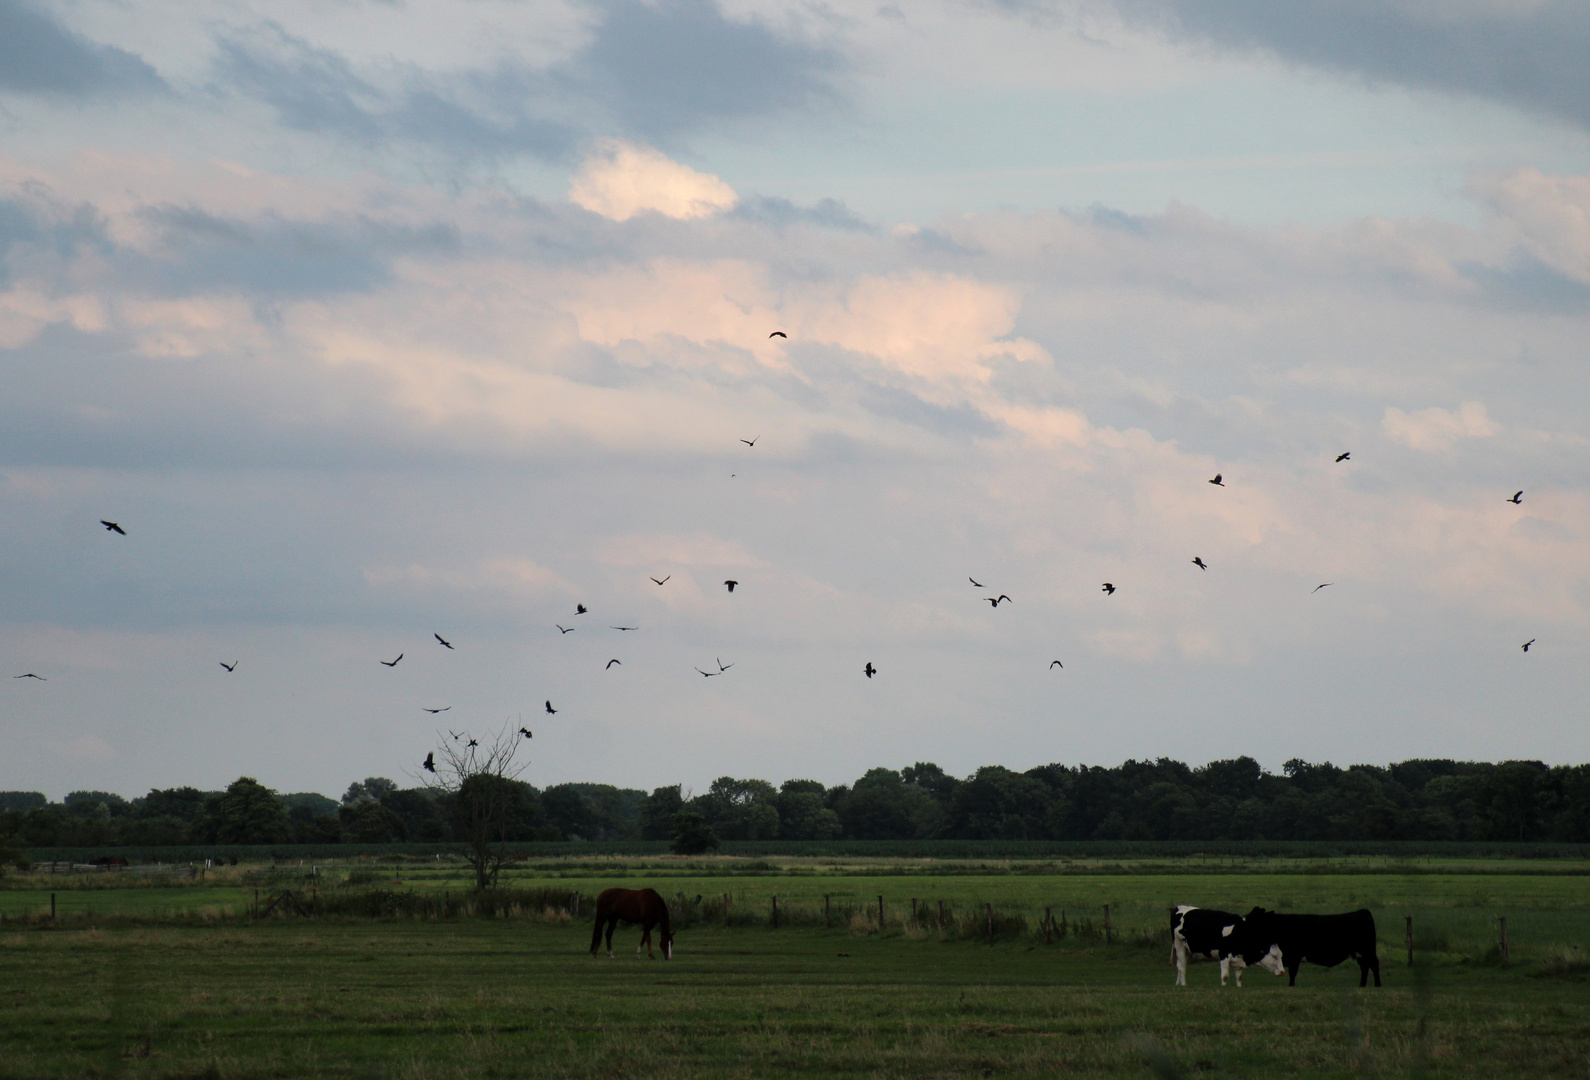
(368, 822)
(480, 784)
(308, 803)
(248, 812)
(22, 800)
(691, 833)
(741, 809)
(931, 779)
(657, 812)
(421, 812)
(802, 816)
(183, 803)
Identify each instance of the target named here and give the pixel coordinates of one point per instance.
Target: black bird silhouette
(456, 736)
(722, 667)
(30, 675)
(1528, 643)
(230, 667)
(1199, 562)
(111, 526)
(526, 733)
(610, 663)
(1320, 586)
(1345, 455)
(1109, 590)
(550, 710)
(1055, 664)
(443, 640)
(1217, 481)
(444, 708)
(750, 442)
(994, 600)
(429, 764)
(975, 582)
(731, 585)
(623, 628)
(664, 579)
(472, 742)
(1516, 500)
(869, 671)
(778, 333)
(392, 663)
(564, 629)
(709, 674)
(580, 609)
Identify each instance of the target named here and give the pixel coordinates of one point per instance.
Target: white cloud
(619, 179)
(1435, 430)
(1548, 216)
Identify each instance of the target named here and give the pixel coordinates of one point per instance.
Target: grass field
(124, 983)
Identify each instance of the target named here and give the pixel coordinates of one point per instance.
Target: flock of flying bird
(869, 670)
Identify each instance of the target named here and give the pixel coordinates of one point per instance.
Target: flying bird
(1345, 455)
(722, 667)
(564, 629)
(1056, 664)
(550, 710)
(111, 526)
(994, 600)
(429, 764)
(472, 742)
(778, 333)
(580, 609)
(456, 736)
(750, 442)
(869, 671)
(1516, 500)
(975, 582)
(662, 580)
(30, 675)
(1528, 643)
(443, 640)
(526, 733)
(1199, 562)
(610, 663)
(392, 663)
(1320, 586)
(731, 584)
(1109, 590)
(623, 628)
(444, 708)
(1217, 481)
(709, 674)
(230, 667)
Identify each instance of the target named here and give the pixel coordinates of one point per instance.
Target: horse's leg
(645, 940)
(596, 935)
(612, 924)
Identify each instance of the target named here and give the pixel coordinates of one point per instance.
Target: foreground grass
(508, 998)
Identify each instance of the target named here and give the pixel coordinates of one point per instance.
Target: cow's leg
(1179, 951)
(1237, 964)
(1291, 971)
(1225, 969)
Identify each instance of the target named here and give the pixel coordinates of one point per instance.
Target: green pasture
(521, 998)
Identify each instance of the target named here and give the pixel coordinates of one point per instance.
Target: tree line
(1420, 800)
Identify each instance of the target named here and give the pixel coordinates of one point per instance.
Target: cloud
(1546, 216)
(1436, 430)
(1526, 53)
(39, 56)
(619, 180)
(670, 68)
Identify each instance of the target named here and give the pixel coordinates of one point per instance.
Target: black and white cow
(1205, 934)
(1276, 941)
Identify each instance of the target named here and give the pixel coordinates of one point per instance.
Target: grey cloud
(483, 115)
(1529, 56)
(40, 56)
(678, 66)
(34, 227)
(782, 213)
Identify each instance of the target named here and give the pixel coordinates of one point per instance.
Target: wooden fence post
(1106, 924)
(828, 916)
(941, 914)
(990, 923)
(1503, 919)
(1048, 926)
(775, 912)
(880, 914)
(256, 903)
(1410, 940)
(52, 905)
(913, 911)
(725, 909)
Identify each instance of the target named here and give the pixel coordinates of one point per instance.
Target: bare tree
(479, 782)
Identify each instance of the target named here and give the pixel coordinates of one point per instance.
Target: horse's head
(668, 946)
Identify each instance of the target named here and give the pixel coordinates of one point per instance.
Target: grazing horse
(641, 906)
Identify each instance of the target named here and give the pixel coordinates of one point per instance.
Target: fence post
(1048, 926)
(941, 914)
(256, 903)
(913, 911)
(990, 923)
(52, 905)
(775, 913)
(880, 914)
(1063, 926)
(1106, 924)
(1410, 940)
(1503, 919)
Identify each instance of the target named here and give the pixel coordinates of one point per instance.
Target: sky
(371, 321)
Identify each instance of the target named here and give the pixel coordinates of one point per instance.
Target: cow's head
(1272, 961)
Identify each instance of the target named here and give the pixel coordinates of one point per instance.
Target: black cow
(1273, 940)
(1205, 934)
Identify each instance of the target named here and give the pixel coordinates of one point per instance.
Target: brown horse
(641, 906)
